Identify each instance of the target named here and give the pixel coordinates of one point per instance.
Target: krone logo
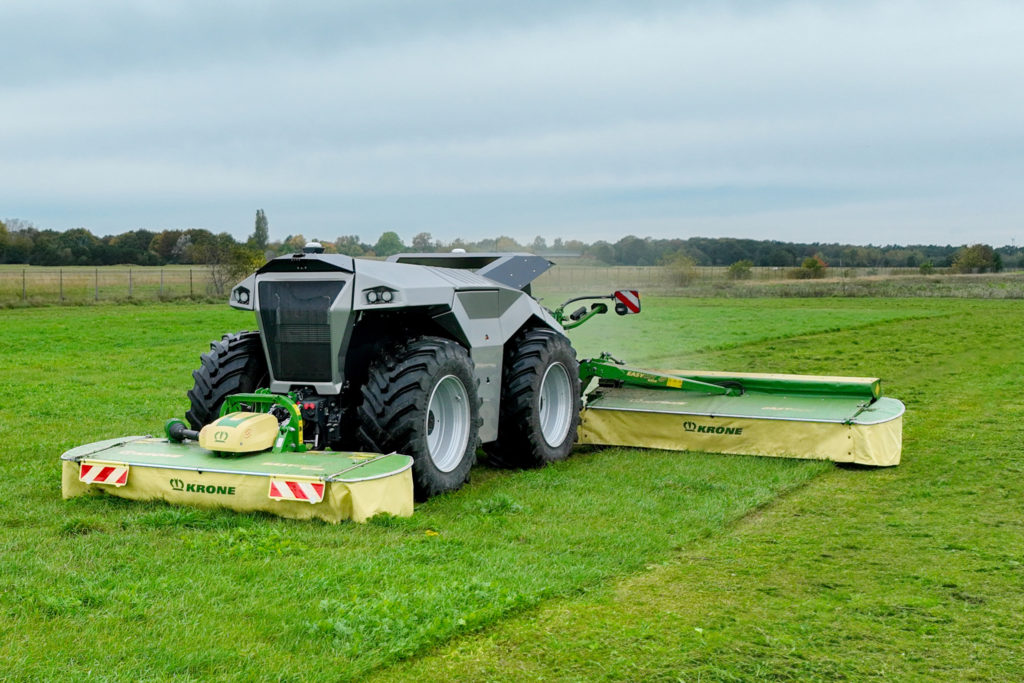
(179, 485)
(691, 426)
(220, 436)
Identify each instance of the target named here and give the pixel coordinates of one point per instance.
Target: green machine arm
(627, 301)
(608, 368)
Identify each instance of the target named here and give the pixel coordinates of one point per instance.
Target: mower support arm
(607, 368)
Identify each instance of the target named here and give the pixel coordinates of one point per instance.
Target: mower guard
(843, 419)
(327, 485)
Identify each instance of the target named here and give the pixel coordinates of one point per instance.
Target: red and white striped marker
(113, 474)
(630, 298)
(297, 489)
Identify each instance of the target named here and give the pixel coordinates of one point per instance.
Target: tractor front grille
(296, 323)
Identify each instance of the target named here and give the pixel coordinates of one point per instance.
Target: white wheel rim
(556, 404)
(447, 423)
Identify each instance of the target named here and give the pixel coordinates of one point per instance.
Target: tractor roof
(509, 269)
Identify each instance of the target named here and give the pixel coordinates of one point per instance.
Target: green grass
(604, 566)
(910, 573)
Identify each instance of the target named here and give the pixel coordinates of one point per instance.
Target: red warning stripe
(103, 473)
(290, 489)
(629, 297)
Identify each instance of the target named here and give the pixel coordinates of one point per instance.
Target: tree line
(22, 242)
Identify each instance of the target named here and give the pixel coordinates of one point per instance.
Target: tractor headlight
(379, 295)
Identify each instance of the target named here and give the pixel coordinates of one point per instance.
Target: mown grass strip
(913, 573)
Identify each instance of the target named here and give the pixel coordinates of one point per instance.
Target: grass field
(615, 564)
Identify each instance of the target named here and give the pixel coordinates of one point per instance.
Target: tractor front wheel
(420, 399)
(540, 400)
(233, 365)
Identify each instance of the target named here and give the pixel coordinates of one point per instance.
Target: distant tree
(3, 242)
(260, 233)
(741, 270)
(814, 264)
(485, 244)
(389, 244)
(506, 243)
(575, 246)
(349, 245)
(163, 245)
(926, 268)
(181, 252)
(539, 244)
(681, 267)
(422, 242)
(601, 251)
(79, 246)
(812, 268)
(17, 246)
(229, 261)
(296, 243)
(977, 258)
(633, 251)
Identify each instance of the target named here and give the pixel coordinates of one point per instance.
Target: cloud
(468, 118)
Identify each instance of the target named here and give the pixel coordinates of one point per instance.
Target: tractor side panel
(474, 312)
(489, 318)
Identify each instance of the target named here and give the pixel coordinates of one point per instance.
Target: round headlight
(371, 296)
(386, 296)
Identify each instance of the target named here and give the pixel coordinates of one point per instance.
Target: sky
(891, 122)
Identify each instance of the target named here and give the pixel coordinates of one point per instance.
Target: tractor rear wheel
(233, 365)
(420, 399)
(540, 400)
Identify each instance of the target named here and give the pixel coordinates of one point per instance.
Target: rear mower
(370, 383)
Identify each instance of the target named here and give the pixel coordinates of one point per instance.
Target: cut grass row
(165, 592)
(911, 573)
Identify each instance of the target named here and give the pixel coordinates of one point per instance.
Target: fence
(82, 285)
(40, 285)
(584, 278)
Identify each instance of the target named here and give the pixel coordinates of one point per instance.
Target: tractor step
(328, 485)
(790, 416)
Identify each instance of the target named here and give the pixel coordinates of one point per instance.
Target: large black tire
(420, 398)
(233, 365)
(540, 401)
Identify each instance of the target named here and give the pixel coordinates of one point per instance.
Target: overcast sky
(861, 122)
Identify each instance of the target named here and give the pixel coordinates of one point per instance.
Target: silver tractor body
(323, 317)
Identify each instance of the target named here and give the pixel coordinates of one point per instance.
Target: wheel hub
(555, 404)
(447, 423)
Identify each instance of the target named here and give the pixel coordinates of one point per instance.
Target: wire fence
(34, 285)
(573, 278)
(75, 285)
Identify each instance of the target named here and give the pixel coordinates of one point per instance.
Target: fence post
(190, 282)
(129, 282)
(24, 291)
(161, 283)
(96, 287)
(60, 277)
